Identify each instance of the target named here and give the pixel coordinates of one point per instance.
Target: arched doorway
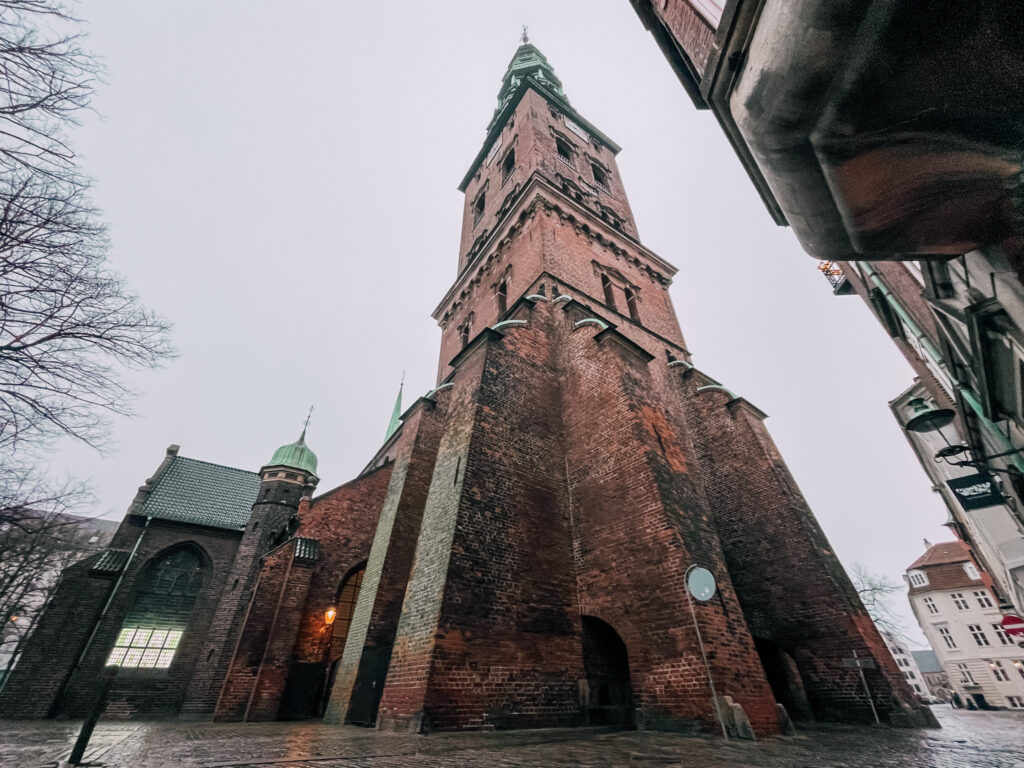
(784, 678)
(310, 680)
(607, 697)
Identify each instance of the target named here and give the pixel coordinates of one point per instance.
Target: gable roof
(944, 552)
(198, 492)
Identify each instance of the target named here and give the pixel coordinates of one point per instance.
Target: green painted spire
(396, 414)
(296, 455)
(529, 62)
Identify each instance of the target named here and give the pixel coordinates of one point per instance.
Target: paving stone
(966, 740)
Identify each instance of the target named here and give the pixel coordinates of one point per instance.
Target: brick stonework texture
(524, 538)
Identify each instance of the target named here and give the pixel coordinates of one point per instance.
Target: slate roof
(927, 661)
(202, 493)
(111, 561)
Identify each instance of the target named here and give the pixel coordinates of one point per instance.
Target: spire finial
(305, 426)
(526, 37)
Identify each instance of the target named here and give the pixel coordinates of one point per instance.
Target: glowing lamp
(329, 615)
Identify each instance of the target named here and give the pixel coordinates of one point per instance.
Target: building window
(978, 634)
(631, 304)
(983, 599)
(478, 208)
(1015, 701)
(565, 153)
(998, 672)
(960, 601)
(508, 166)
(502, 295)
(1004, 639)
(971, 571)
(609, 293)
(929, 603)
(1019, 665)
(145, 648)
(965, 675)
(156, 622)
(600, 178)
(947, 637)
(918, 688)
(918, 579)
(464, 334)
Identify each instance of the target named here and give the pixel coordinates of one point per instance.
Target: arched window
(153, 629)
(348, 593)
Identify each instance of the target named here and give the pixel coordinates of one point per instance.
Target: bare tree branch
(876, 592)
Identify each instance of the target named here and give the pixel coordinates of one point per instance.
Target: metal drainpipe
(110, 598)
(926, 344)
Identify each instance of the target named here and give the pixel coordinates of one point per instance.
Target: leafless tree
(33, 553)
(876, 592)
(68, 325)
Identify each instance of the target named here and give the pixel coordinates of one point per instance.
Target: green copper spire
(296, 455)
(396, 414)
(529, 62)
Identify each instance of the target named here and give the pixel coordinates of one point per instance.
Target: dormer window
(508, 166)
(600, 178)
(478, 208)
(565, 153)
(918, 579)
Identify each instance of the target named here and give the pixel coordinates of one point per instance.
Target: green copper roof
(396, 414)
(192, 491)
(295, 455)
(528, 61)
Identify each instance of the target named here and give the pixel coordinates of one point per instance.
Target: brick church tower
(547, 498)
(514, 554)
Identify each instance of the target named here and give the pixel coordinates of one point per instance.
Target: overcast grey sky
(280, 181)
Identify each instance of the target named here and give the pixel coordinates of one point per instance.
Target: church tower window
(508, 166)
(600, 178)
(565, 153)
(502, 296)
(478, 208)
(609, 292)
(631, 304)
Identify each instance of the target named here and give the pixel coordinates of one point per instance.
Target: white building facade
(958, 614)
(908, 666)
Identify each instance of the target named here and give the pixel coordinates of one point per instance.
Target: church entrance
(784, 679)
(309, 683)
(606, 695)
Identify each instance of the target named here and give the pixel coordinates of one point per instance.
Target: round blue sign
(701, 583)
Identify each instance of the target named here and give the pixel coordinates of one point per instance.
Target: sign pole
(707, 667)
(867, 690)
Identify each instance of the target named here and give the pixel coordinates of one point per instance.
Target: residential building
(959, 617)
(904, 659)
(517, 552)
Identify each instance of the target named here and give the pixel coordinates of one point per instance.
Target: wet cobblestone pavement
(967, 740)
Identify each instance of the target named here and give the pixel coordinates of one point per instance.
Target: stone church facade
(515, 554)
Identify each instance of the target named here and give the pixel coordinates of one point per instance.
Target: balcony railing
(832, 273)
(567, 161)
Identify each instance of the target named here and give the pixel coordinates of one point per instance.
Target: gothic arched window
(153, 629)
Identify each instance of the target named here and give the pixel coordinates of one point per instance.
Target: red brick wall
(284, 622)
(641, 519)
(794, 592)
(361, 673)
